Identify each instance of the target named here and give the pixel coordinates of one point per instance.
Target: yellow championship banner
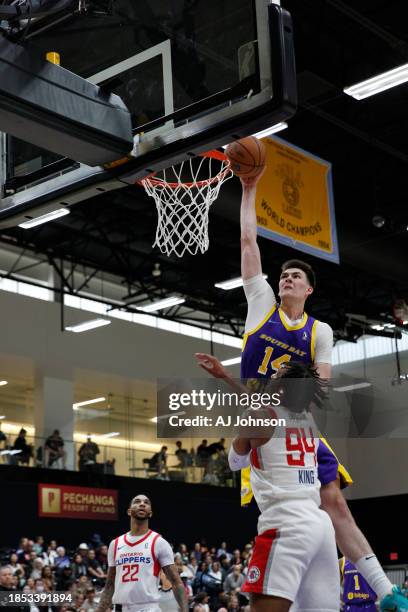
(294, 200)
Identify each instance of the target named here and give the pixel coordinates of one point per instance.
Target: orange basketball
(247, 156)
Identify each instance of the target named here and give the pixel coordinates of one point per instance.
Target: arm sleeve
(235, 461)
(324, 343)
(260, 298)
(164, 553)
(111, 560)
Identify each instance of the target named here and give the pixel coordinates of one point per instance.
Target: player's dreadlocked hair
(308, 389)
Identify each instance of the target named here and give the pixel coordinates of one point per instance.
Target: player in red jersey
(135, 560)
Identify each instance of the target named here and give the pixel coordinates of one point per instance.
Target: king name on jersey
(306, 476)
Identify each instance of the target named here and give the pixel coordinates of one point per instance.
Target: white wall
(31, 328)
(379, 466)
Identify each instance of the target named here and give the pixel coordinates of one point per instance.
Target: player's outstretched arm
(105, 602)
(213, 366)
(250, 254)
(177, 586)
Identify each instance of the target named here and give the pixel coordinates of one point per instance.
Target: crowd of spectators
(212, 577)
(211, 458)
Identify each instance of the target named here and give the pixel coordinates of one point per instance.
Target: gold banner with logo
(294, 201)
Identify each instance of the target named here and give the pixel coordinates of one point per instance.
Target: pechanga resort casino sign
(61, 501)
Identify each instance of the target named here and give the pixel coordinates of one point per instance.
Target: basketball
(247, 156)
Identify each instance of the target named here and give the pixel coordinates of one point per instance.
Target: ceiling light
(166, 303)
(268, 131)
(87, 402)
(86, 325)
(278, 127)
(377, 327)
(361, 385)
(3, 416)
(51, 216)
(3, 382)
(111, 434)
(232, 283)
(233, 361)
(379, 83)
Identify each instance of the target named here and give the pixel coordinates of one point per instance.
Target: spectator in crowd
(223, 551)
(54, 449)
(183, 550)
(184, 458)
(404, 587)
(192, 564)
(48, 578)
(14, 564)
(79, 601)
(234, 605)
(109, 466)
(102, 557)
(79, 567)
(50, 554)
(202, 454)
(197, 551)
(83, 584)
(3, 439)
(94, 568)
(26, 450)
(62, 560)
(186, 586)
(234, 580)
(216, 447)
(65, 579)
(39, 545)
(83, 550)
(90, 604)
(37, 566)
(159, 463)
(6, 578)
(201, 602)
(87, 454)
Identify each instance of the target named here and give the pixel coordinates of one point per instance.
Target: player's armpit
(105, 602)
(177, 586)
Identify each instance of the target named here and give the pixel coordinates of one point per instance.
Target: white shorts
(297, 560)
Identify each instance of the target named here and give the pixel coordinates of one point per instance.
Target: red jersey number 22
(297, 445)
(129, 573)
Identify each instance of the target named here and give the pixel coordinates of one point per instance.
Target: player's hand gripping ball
(246, 156)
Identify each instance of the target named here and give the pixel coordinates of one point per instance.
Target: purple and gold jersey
(357, 594)
(265, 348)
(274, 342)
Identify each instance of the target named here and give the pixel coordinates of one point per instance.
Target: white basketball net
(183, 207)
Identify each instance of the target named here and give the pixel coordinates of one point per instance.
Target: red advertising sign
(64, 501)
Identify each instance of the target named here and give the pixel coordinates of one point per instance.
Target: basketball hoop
(183, 199)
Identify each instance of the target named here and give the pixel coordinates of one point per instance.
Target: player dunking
(135, 559)
(273, 334)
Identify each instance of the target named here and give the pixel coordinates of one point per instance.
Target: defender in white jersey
(135, 560)
(294, 563)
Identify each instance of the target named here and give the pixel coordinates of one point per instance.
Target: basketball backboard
(195, 74)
